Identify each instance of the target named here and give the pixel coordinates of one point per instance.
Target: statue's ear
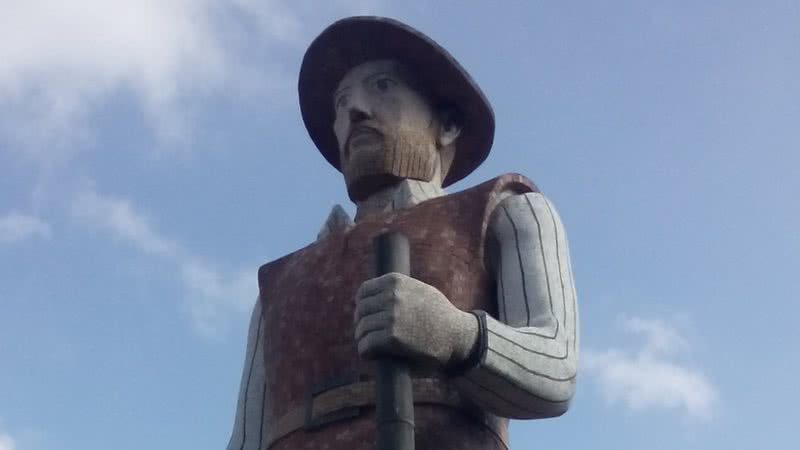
(449, 126)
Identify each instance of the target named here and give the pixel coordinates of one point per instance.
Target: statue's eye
(384, 84)
(341, 102)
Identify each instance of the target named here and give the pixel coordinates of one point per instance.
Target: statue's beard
(400, 155)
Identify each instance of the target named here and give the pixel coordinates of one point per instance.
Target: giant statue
(485, 319)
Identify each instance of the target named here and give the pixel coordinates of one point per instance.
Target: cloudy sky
(152, 156)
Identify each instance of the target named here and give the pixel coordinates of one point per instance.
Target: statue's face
(386, 130)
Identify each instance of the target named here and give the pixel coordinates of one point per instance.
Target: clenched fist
(400, 316)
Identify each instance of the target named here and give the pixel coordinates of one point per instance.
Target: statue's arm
(528, 354)
(247, 431)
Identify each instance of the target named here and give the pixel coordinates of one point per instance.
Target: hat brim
(355, 40)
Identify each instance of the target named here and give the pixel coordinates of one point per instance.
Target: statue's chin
(372, 168)
(366, 185)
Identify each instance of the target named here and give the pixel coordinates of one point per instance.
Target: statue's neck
(404, 194)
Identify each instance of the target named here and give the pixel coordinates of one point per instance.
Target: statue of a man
(487, 319)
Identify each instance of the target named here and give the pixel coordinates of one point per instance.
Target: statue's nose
(359, 108)
(358, 114)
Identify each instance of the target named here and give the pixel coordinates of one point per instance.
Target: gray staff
(394, 398)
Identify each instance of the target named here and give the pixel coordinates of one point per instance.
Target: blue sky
(152, 156)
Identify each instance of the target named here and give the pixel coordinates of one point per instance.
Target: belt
(340, 400)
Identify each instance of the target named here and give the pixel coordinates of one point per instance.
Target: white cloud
(119, 217)
(212, 295)
(651, 377)
(6, 443)
(659, 337)
(59, 61)
(17, 227)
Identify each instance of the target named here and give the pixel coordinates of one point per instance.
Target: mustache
(363, 127)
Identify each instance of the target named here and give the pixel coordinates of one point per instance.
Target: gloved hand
(400, 316)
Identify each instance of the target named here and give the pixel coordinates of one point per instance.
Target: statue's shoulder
(491, 192)
(476, 204)
(518, 212)
(503, 186)
(513, 183)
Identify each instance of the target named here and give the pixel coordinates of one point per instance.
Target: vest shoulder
(265, 269)
(513, 183)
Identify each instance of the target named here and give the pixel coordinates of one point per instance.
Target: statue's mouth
(361, 137)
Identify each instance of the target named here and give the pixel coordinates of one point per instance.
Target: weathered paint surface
(308, 301)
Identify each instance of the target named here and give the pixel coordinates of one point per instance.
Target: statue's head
(388, 128)
(383, 103)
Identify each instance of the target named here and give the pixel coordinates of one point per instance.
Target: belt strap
(342, 402)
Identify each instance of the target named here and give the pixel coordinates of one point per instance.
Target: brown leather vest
(308, 299)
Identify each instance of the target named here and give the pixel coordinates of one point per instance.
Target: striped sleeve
(529, 353)
(248, 431)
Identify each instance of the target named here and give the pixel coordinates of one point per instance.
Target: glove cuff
(478, 352)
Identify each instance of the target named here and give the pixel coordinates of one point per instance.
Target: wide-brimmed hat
(355, 40)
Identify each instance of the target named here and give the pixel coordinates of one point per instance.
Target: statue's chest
(308, 296)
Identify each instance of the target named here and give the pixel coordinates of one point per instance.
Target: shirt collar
(403, 195)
